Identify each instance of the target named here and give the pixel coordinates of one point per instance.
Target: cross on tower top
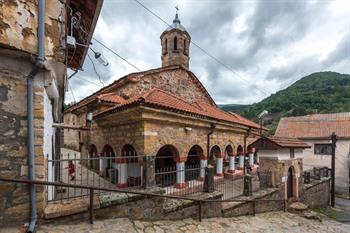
(177, 8)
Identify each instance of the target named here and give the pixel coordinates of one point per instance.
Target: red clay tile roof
(315, 126)
(281, 142)
(161, 98)
(130, 77)
(111, 97)
(288, 142)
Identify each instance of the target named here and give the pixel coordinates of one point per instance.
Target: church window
(175, 43)
(185, 45)
(165, 46)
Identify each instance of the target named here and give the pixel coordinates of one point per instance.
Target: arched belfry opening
(177, 51)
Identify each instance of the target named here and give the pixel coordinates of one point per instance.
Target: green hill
(233, 107)
(322, 92)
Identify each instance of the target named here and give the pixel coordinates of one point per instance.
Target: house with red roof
(316, 131)
(165, 114)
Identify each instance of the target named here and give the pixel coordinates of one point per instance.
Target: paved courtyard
(274, 222)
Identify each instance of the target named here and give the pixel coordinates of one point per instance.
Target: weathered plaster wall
(342, 162)
(18, 26)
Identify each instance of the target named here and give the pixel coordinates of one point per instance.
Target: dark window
(323, 149)
(165, 47)
(185, 45)
(175, 43)
(292, 155)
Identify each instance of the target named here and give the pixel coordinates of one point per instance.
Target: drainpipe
(30, 112)
(211, 131)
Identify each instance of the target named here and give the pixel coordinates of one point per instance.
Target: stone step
(297, 207)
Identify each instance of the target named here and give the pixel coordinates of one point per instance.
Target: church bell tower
(175, 42)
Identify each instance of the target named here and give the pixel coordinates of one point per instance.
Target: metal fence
(127, 172)
(100, 172)
(316, 173)
(180, 181)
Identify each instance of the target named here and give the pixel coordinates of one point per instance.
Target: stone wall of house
(317, 193)
(18, 49)
(18, 26)
(14, 198)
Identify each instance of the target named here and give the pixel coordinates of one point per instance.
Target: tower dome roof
(176, 24)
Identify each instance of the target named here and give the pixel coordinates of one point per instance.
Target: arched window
(175, 43)
(165, 46)
(185, 49)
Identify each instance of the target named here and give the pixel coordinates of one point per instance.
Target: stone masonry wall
(14, 198)
(175, 81)
(71, 137)
(117, 131)
(18, 26)
(162, 129)
(317, 194)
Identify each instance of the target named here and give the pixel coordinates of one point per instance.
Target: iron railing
(99, 172)
(92, 189)
(127, 172)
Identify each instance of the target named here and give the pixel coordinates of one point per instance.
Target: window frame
(323, 150)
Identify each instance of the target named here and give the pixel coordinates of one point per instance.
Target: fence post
(209, 179)
(148, 171)
(254, 207)
(200, 211)
(317, 173)
(91, 217)
(247, 190)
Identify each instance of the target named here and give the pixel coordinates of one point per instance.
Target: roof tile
(315, 126)
(165, 99)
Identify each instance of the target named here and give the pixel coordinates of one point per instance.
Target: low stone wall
(141, 208)
(317, 193)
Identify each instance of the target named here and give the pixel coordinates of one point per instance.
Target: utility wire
(71, 90)
(98, 75)
(87, 80)
(204, 51)
(115, 53)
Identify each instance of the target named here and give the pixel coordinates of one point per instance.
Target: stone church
(164, 117)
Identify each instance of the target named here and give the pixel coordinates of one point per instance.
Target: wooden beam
(65, 126)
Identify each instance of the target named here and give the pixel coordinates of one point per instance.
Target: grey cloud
(204, 20)
(341, 52)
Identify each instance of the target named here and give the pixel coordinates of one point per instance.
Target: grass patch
(331, 213)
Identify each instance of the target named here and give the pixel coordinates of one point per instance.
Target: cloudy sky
(267, 44)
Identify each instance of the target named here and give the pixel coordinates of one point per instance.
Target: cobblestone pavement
(274, 222)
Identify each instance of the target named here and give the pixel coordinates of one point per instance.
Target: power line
(204, 51)
(90, 81)
(115, 53)
(71, 90)
(98, 75)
